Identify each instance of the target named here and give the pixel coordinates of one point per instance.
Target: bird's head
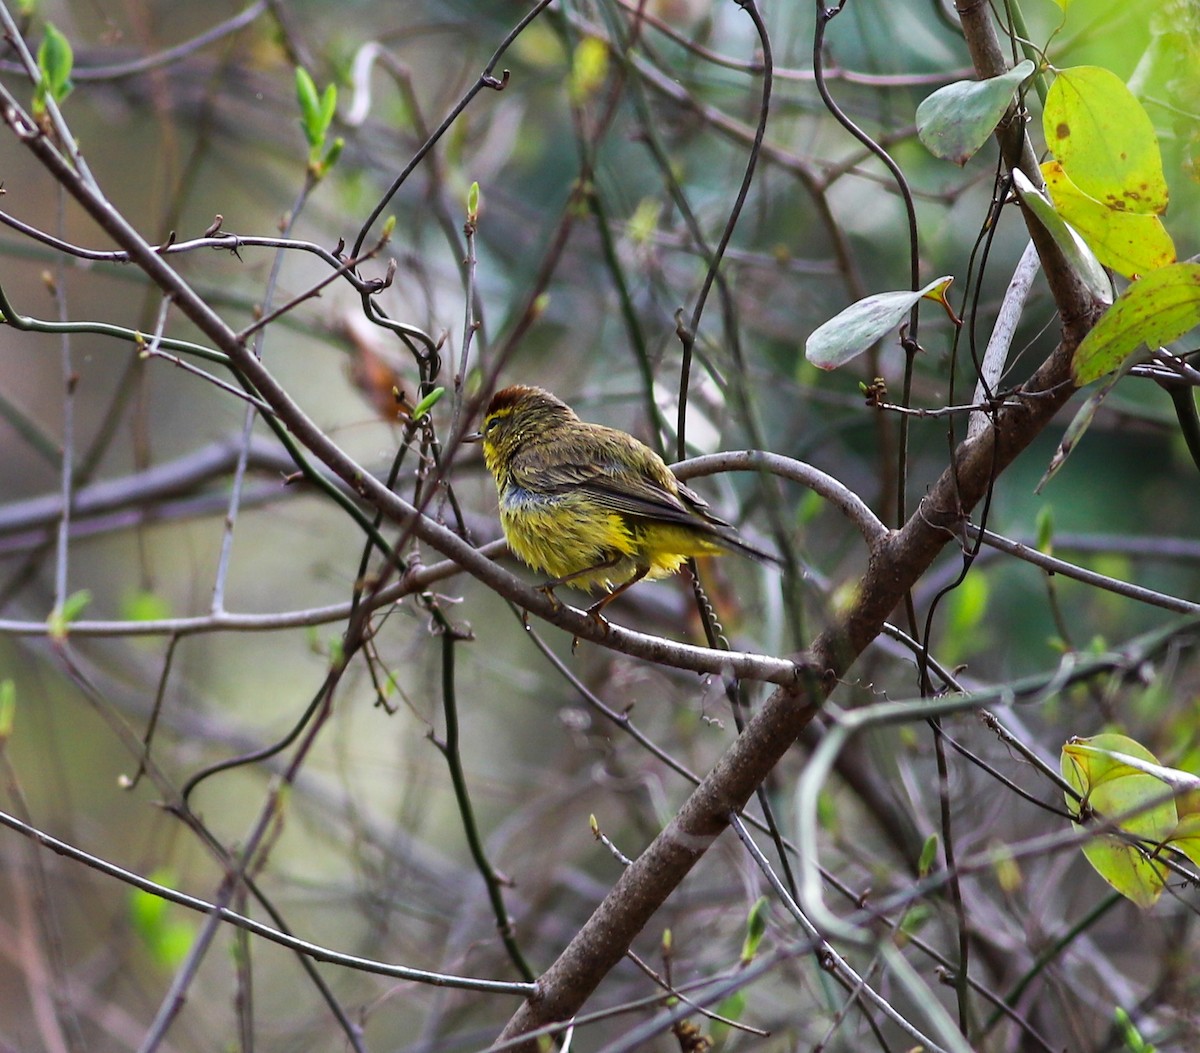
(516, 415)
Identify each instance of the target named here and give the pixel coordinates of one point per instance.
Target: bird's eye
(491, 424)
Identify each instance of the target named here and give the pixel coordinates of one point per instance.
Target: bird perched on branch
(591, 505)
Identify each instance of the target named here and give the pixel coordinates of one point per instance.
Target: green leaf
(756, 928)
(316, 115)
(970, 601)
(55, 61)
(589, 68)
(427, 403)
(1129, 1032)
(328, 107)
(145, 606)
(473, 203)
(310, 106)
(1185, 837)
(1113, 789)
(955, 121)
(914, 920)
(1131, 243)
(8, 708)
(1045, 530)
(1125, 763)
(731, 1008)
(644, 221)
(1104, 139)
(306, 96)
(332, 154)
(1074, 249)
(848, 334)
(1153, 311)
(71, 608)
(167, 939)
(929, 854)
(1139, 879)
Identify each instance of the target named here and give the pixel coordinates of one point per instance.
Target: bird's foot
(594, 615)
(547, 590)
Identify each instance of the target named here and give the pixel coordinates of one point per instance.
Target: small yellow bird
(592, 505)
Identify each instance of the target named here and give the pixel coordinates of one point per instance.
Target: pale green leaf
(955, 121)
(1074, 249)
(850, 333)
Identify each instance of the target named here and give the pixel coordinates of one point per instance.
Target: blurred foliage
(607, 162)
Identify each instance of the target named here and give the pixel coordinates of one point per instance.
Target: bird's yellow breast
(563, 535)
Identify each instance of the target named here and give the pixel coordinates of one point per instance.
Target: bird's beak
(475, 436)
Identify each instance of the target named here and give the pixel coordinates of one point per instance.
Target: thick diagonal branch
(897, 563)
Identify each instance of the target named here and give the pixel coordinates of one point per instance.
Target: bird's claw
(594, 615)
(547, 590)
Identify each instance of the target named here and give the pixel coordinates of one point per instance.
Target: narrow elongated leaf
(1079, 424)
(1073, 247)
(955, 121)
(1153, 311)
(310, 106)
(850, 333)
(1104, 139)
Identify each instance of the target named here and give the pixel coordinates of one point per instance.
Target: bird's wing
(649, 492)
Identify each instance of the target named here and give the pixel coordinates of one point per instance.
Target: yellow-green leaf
(1155, 310)
(1128, 871)
(1186, 837)
(644, 221)
(1112, 789)
(1131, 243)
(1105, 141)
(145, 606)
(589, 68)
(8, 708)
(62, 615)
